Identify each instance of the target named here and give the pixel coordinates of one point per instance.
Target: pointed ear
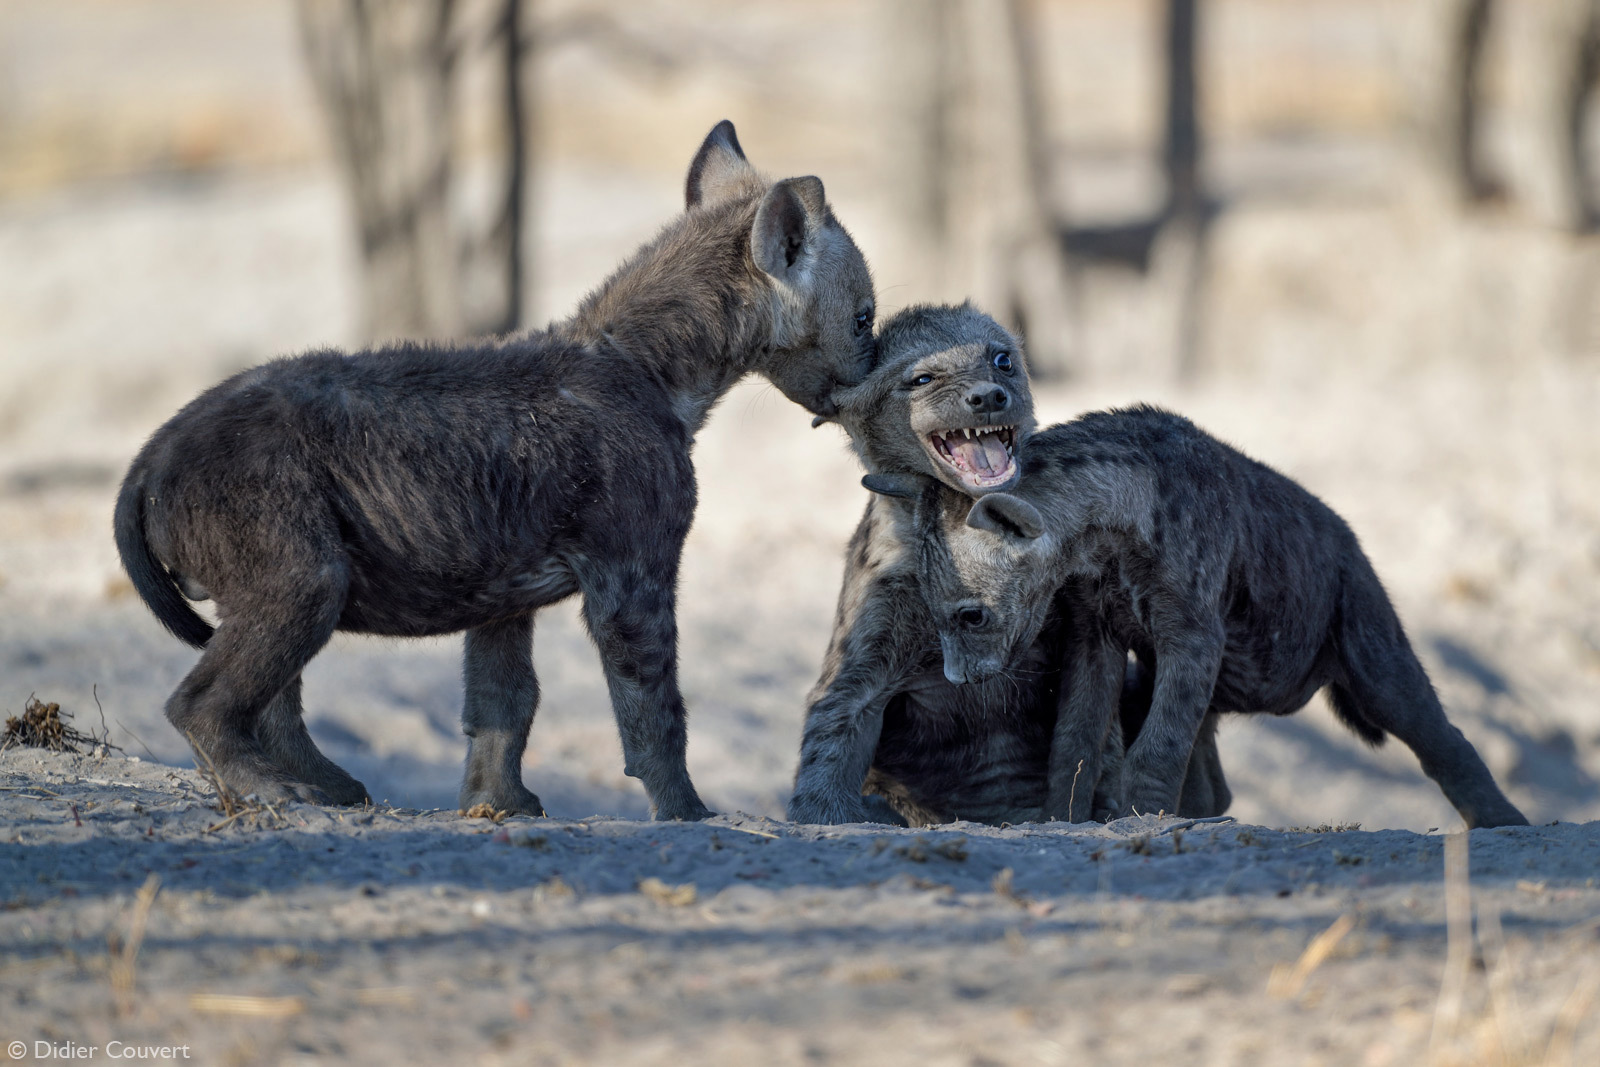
(719, 170)
(789, 216)
(1006, 515)
(889, 483)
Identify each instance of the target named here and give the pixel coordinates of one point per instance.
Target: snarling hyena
(1247, 593)
(419, 489)
(949, 398)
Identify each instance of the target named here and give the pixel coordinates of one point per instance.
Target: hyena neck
(689, 308)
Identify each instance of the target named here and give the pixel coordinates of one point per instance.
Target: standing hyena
(1245, 591)
(948, 398)
(425, 489)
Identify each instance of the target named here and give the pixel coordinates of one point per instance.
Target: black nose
(989, 398)
(972, 618)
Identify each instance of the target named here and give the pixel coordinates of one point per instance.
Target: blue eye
(864, 321)
(1002, 360)
(922, 379)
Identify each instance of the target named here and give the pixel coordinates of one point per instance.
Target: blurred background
(1354, 237)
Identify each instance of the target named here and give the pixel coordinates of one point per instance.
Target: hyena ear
(719, 170)
(904, 486)
(1006, 515)
(789, 216)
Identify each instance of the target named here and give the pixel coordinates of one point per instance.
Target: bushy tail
(154, 585)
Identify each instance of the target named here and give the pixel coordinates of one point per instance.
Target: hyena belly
(976, 752)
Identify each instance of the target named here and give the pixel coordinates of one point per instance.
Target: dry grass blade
(228, 802)
(246, 1006)
(124, 957)
(753, 833)
(233, 807)
(1458, 945)
(1558, 1053)
(380, 996)
(674, 896)
(1286, 982)
(1502, 993)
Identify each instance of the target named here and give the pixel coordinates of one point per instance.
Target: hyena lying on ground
(949, 398)
(1246, 592)
(423, 489)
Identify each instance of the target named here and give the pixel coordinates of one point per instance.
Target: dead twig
(139, 739)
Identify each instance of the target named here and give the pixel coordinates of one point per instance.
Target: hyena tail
(150, 579)
(1382, 688)
(1378, 670)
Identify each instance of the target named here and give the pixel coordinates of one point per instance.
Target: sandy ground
(399, 936)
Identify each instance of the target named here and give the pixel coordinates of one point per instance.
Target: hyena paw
(691, 810)
(827, 810)
(513, 798)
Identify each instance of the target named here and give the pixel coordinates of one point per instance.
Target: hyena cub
(420, 489)
(950, 399)
(1246, 592)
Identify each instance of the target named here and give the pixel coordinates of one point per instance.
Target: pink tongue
(985, 454)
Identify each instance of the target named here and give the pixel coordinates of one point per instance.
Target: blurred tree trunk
(1572, 39)
(1468, 31)
(391, 75)
(1181, 151)
(1182, 246)
(988, 188)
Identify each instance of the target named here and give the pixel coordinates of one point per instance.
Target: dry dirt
(404, 936)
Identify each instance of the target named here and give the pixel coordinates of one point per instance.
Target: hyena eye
(922, 379)
(864, 321)
(1002, 360)
(972, 618)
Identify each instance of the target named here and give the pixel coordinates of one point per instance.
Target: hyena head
(984, 567)
(949, 398)
(818, 288)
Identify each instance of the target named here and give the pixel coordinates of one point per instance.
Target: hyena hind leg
(282, 733)
(255, 653)
(1205, 789)
(1384, 689)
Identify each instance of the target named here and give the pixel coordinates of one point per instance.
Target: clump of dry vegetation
(46, 726)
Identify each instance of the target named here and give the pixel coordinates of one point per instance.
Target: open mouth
(981, 456)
